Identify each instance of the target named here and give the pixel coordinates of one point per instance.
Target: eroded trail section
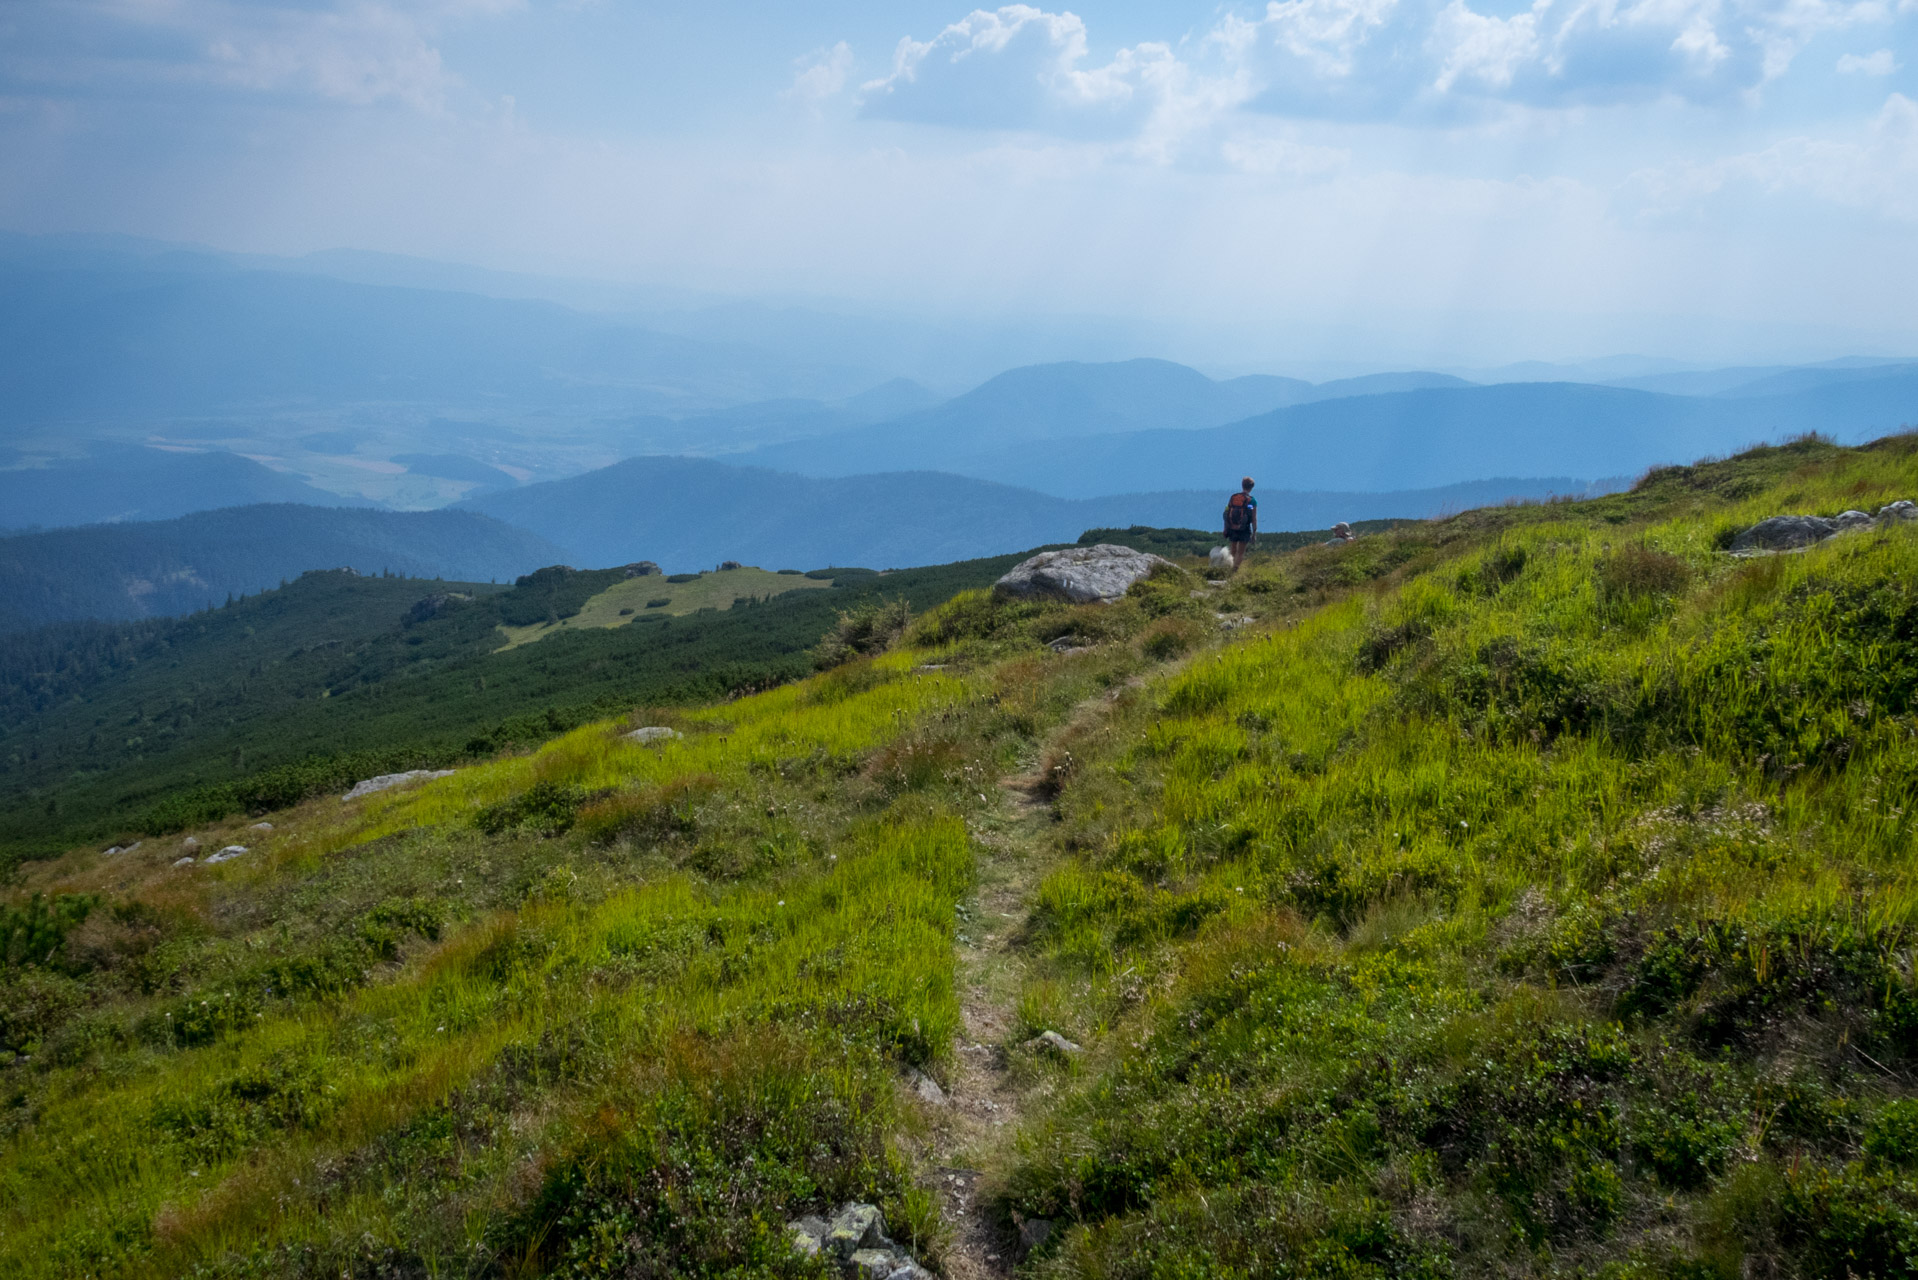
(986, 1094)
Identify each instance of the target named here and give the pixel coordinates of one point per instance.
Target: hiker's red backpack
(1238, 516)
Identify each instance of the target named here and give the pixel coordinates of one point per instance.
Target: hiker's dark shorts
(1239, 537)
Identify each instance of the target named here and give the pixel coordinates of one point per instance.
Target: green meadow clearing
(1527, 893)
(653, 596)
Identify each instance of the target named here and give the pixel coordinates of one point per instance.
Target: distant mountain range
(158, 568)
(189, 335)
(690, 513)
(1409, 439)
(1059, 402)
(117, 483)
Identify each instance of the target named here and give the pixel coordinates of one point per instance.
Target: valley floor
(1527, 893)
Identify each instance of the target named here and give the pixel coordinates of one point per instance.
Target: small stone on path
(1054, 1041)
(928, 1089)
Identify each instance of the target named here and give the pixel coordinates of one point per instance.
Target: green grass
(1527, 893)
(1545, 913)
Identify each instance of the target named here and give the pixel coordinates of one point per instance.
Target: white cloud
(1881, 63)
(1023, 67)
(1020, 67)
(822, 75)
(1875, 172)
(1325, 33)
(1490, 50)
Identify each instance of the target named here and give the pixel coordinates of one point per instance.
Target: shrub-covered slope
(114, 729)
(1521, 894)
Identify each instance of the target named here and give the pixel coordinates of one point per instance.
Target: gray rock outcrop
(1785, 533)
(227, 854)
(1793, 533)
(653, 733)
(1084, 575)
(855, 1241)
(387, 781)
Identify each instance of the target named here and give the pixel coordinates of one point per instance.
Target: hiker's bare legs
(1238, 553)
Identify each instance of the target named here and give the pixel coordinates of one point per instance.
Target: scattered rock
(1903, 509)
(189, 844)
(385, 781)
(227, 854)
(1230, 621)
(808, 1235)
(928, 1089)
(856, 1240)
(182, 862)
(1083, 575)
(1034, 1232)
(641, 569)
(1054, 1041)
(1220, 558)
(1068, 644)
(874, 1264)
(261, 826)
(117, 849)
(855, 1227)
(654, 733)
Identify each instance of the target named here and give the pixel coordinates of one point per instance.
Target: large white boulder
(1083, 575)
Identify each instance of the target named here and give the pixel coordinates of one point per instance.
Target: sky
(1461, 180)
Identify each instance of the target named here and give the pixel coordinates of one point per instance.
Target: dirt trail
(986, 1099)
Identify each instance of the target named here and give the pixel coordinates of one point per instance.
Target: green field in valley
(653, 596)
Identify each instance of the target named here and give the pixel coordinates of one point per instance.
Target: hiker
(1241, 522)
(1341, 534)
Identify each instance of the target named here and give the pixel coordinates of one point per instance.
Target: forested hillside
(111, 729)
(1523, 894)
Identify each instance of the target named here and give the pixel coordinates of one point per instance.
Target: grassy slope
(1529, 895)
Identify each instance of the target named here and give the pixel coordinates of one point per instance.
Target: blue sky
(1464, 179)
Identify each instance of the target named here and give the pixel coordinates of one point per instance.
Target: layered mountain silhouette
(1062, 401)
(156, 568)
(1409, 439)
(186, 335)
(133, 483)
(691, 513)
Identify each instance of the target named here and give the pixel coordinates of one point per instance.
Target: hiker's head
(1246, 484)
